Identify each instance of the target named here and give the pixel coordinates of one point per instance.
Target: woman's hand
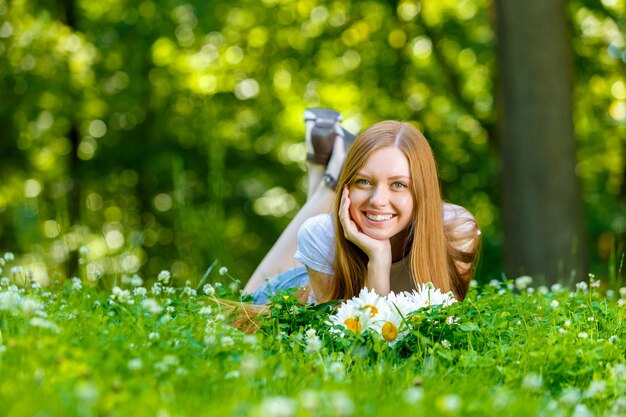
(377, 251)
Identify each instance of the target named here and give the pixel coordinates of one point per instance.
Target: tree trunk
(542, 205)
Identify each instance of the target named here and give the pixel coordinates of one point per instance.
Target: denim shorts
(293, 278)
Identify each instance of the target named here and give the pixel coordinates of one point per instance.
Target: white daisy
(404, 301)
(351, 316)
(370, 302)
(389, 325)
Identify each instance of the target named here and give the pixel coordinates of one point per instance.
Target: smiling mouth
(378, 217)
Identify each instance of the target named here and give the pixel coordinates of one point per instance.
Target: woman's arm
(320, 284)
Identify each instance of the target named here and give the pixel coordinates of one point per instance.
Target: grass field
(139, 346)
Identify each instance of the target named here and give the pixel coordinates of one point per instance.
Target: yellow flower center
(389, 331)
(373, 309)
(352, 324)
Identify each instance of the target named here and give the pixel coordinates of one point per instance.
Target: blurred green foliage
(164, 135)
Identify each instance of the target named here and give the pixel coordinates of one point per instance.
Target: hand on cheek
(373, 248)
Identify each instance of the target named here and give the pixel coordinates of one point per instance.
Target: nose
(379, 196)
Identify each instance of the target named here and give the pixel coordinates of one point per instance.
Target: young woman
(385, 227)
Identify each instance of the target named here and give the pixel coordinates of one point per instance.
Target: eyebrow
(395, 177)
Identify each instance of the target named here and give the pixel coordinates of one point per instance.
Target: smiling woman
(387, 229)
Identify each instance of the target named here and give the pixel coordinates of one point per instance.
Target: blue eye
(399, 185)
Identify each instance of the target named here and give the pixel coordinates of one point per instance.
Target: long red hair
(435, 252)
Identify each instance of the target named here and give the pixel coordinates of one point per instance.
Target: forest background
(168, 135)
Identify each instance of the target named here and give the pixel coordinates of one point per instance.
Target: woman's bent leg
(320, 199)
(280, 257)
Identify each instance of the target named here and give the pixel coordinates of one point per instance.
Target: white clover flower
(44, 324)
(310, 400)
(223, 271)
(311, 332)
(449, 404)
(622, 292)
(609, 293)
(83, 250)
(621, 302)
(413, 395)
(2, 261)
(4, 282)
(618, 372)
(583, 335)
(313, 344)
(208, 290)
(8, 256)
(561, 330)
(164, 277)
(157, 288)
(135, 364)
(523, 282)
(570, 396)
(250, 364)
(452, 320)
(77, 285)
(227, 342)
(554, 304)
(590, 319)
(140, 291)
(31, 307)
(232, 374)
(251, 339)
(445, 344)
(619, 406)
(136, 281)
(154, 336)
(188, 291)
(341, 404)
(543, 290)
(205, 311)
(9, 300)
(613, 339)
(151, 305)
(473, 283)
(121, 296)
(581, 410)
(595, 389)
(532, 382)
(494, 283)
(337, 370)
(277, 407)
(556, 288)
(582, 286)
(169, 290)
(17, 270)
(567, 323)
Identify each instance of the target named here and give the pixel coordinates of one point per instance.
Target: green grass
(72, 349)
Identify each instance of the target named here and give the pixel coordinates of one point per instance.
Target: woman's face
(381, 203)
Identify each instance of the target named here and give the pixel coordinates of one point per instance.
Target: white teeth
(379, 218)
